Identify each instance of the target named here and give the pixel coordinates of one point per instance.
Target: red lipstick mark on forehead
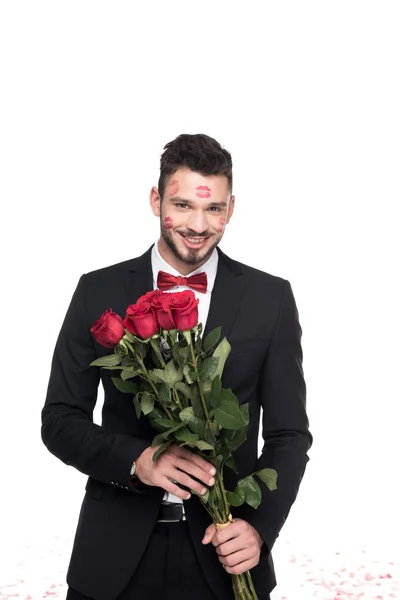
(168, 222)
(221, 225)
(203, 191)
(174, 187)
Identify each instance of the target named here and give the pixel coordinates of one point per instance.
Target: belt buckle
(180, 505)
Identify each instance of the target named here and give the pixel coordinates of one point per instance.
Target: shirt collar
(209, 267)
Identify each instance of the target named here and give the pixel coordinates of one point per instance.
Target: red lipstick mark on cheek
(221, 225)
(168, 222)
(203, 191)
(174, 187)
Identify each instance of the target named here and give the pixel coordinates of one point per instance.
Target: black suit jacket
(258, 315)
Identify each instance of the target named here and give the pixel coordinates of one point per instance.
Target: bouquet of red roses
(177, 386)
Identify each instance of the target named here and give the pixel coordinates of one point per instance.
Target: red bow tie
(198, 282)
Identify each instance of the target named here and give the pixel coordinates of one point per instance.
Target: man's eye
(184, 205)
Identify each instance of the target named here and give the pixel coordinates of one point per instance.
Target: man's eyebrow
(178, 199)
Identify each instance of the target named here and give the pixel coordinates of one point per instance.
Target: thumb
(208, 534)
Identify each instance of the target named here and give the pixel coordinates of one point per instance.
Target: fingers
(184, 479)
(242, 567)
(194, 459)
(188, 467)
(209, 533)
(171, 487)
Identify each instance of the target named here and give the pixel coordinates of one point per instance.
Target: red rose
(109, 329)
(162, 310)
(149, 297)
(184, 309)
(140, 320)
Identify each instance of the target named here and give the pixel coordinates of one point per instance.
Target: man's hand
(175, 464)
(238, 545)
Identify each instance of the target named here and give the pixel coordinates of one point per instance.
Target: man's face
(193, 215)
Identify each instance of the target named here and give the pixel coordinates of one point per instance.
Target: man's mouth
(194, 241)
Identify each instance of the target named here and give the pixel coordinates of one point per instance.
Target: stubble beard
(192, 256)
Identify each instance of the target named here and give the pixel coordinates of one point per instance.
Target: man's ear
(230, 209)
(155, 201)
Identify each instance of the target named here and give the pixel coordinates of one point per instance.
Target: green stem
(154, 388)
(251, 586)
(176, 396)
(158, 353)
(223, 494)
(203, 401)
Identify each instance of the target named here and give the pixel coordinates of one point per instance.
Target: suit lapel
(226, 296)
(140, 277)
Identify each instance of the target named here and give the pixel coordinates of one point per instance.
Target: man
(141, 535)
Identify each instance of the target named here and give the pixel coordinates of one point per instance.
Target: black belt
(172, 512)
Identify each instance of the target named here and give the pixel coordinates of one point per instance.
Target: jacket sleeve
(68, 430)
(282, 395)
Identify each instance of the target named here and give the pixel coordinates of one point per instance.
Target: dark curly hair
(198, 152)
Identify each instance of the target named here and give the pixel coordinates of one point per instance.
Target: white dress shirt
(210, 268)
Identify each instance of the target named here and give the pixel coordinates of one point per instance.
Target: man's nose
(197, 222)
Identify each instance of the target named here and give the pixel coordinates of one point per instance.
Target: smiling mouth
(194, 240)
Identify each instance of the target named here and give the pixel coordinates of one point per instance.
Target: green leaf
(137, 404)
(167, 423)
(269, 477)
(206, 386)
(127, 387)
(160, 438)
(244, 409)
(230, 462)
(196, 403)
(125, 374)
(227, 394)
(164, 393)
(235, 498)
(186, 414)
(228, 415)
(173, 373)
(251, 490)
(215, 392)
(147, 403)
(184, 435)
(203, 445)
(184, 388)
(221, 352)
(111, 360)
(208, 367)
(161, 449)
(158, 376)
(190, 375)
(211, 339)
(234, 438)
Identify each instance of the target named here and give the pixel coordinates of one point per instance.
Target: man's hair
(199, 153)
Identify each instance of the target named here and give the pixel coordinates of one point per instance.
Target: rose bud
(184, 309)
(140, 320)
(109, 329)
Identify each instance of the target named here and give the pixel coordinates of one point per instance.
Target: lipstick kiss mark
(168, 222)
(203, 191)
(174, 187)
(221, 224)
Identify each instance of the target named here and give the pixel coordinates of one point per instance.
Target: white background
(306, 97)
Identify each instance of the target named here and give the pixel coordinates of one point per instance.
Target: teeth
(194, 240)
